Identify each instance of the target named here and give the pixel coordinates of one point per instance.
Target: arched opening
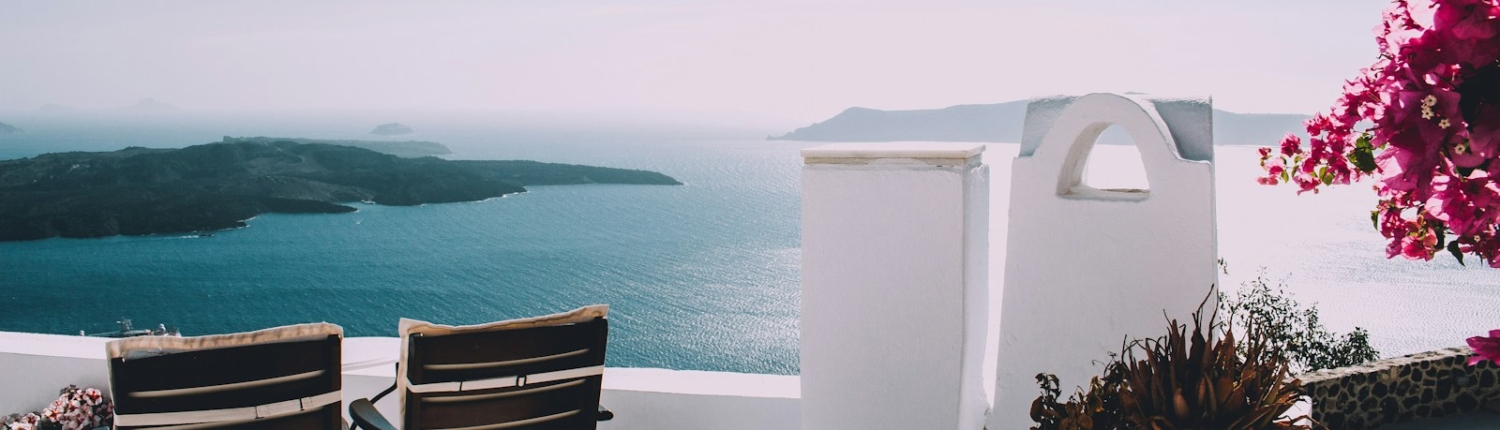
(1115, 164)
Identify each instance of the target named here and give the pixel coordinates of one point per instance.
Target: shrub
(1289, 327)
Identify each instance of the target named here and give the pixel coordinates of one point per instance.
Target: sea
(703, 276)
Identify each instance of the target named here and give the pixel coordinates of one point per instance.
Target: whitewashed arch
(1085, 268)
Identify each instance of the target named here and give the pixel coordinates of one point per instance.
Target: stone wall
(1424, 385)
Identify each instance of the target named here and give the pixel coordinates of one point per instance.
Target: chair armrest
(604, 414)
(366, 417)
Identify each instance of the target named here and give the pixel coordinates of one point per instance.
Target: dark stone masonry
(1425, 385)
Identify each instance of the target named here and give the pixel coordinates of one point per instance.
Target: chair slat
(233, 377)
(571, 403)
(482, 410)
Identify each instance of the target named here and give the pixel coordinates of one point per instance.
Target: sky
(766, 59)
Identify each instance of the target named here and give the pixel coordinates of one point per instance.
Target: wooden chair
(535, 373)
(282, 378)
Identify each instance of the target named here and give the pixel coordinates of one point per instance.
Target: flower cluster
(20, 422)
(1485, 348)
(74, 409)
(77, 409)
(1425, 120)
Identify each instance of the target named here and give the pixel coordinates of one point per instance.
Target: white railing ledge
(701, 383)
(53, 345)
(863, 153)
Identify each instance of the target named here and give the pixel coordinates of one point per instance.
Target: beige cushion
(150, 346)
(409, 327)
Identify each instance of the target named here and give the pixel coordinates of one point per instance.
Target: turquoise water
(702, 276)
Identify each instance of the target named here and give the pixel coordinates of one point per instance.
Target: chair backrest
(282, 378)
(544, 373)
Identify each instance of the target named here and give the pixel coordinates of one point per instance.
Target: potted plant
(74, 409)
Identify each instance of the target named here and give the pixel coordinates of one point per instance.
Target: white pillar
(895, 243)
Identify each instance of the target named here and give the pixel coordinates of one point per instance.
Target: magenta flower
(1485, 348)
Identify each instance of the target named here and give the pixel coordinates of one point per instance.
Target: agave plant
(1191, 381)
(1182, 381)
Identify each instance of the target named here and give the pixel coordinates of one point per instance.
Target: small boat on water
(127, 331)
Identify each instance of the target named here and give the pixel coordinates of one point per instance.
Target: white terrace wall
(1085, 267)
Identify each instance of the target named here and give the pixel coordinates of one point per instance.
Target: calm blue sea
(702, 276)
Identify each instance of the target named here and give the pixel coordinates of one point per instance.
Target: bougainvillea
(1486, 348)
(1425, 121)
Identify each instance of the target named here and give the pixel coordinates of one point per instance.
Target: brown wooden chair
(535, 373)
(285, 378)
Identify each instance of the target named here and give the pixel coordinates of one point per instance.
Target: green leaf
(1375, 219)
(1453, 248)
(1363, 159)
(1441, 239)
(1363, 142)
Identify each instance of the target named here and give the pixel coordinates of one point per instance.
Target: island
(1002, 122)
(404, 149)
(8, 129)
(54, 108)
(152, 105)
(141, 191)
(392, 129)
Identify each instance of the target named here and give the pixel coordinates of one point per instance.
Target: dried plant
(1194, 381)
(1097, 408)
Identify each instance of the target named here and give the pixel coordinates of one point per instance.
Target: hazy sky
(791, 60)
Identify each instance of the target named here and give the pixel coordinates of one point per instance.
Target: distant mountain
(392, 129)
(9, 129)
(1002, 122)
(138, 191)
(403, 149)
(152, 105)
(54, 108)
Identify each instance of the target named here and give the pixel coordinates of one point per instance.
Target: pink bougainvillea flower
(1484, 138)
(1485, 348)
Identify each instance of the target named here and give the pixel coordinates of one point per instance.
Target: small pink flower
(1291, 144)
(1485, 348)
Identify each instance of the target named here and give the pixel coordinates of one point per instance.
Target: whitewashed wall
(1085, 268)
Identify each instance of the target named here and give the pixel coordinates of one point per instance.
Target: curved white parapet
(1086, 268)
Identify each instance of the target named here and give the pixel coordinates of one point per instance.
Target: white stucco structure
(894, 286)
(1085, 267)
